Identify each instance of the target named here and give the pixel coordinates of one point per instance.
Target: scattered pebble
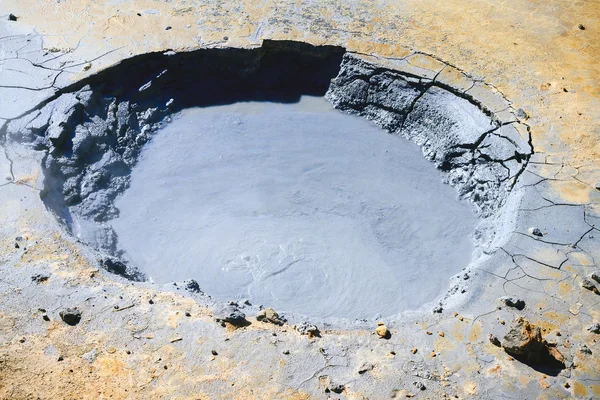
(454, 314)
(513, 302)
(441, 334)
(414, 350)
(214, 353)
(536, 232)
(71, 316)
(286, 352)
(460, 318)
(594, 328)
(581, 27)
(168, 28)
(589, 285)
(150, 301)
(308, 329)
(419, 385)
(187, 314)
(584, 349)
(365, 367)
(596, 274)
(432, 354)
(12, 17)
(40, 278)
(566, 385)
(429, 333)
(46, 318)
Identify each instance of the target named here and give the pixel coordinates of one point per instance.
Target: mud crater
(93, 132)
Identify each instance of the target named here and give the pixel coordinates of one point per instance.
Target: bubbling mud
(295, 206)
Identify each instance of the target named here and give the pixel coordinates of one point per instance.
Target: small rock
(594, 328)
(336, 388)
(536, 232)
(595, 276)
(40, 278)
(429, 333)
(269, 315)
(581, 27)
(12, 17)
(71, 316)
(365, 367)
(308, 329)
(442, 334)
(419, 385)
(214, 353)
(438, 309)
(513, 302)
(494, 340)
(46, 318)
(193, 286)
(589, 285)
(87, 66)
(597, 185)
(168, 28)
(584, 349)
(286, 352)
(187, 314)
(231, 315)
(432, 354)
(521, 114)
(382, 331)
(414, 350)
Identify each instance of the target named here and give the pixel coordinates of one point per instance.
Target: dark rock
(12, 17)
(594, 328)
(168, 28)
(40, 278)
(584, 349)
(71, 316)
(513, 302)
(306, 328)
(367, 366)
(536, 232)
(214, 353)
(112, 264)
(419, 385)
(589, 285)
(193, 286)
(230, 314)
(494, 340)
(17, 246)
(336, 388)
(595, 276)
(581, 27)
(46, 318)
(438, 309)
(269, 315)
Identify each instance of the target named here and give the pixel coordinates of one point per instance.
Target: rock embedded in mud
(536, 232)
(524, 342)
(231, 315)
(366, 366)
(589, 285)
(513, 302)
(306, 328)
(70, 316)
(269, 315)
(595, 276)
(382, 331)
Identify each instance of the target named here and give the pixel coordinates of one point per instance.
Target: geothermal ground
(241, 200)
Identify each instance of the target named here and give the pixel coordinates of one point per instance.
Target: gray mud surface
(295, 206)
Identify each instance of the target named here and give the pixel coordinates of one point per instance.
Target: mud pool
(294, 206)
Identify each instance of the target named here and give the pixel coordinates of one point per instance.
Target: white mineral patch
(294, 206)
